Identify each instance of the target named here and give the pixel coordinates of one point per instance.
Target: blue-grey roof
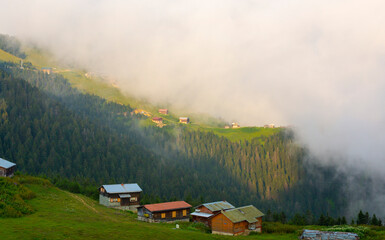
(315, 234)
(6, 164)
(217, 206)
(122, 188)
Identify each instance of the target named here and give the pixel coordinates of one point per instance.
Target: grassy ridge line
(63, 215)
(105, 90)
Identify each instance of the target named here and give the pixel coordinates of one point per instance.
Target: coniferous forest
(49, 128)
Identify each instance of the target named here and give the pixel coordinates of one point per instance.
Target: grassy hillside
(7, 57)
(100, 87)
(64, 215)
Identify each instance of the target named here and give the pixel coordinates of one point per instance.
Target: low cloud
(315, 65)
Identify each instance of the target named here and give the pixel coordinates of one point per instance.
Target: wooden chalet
(204, 212)
(184, 120)
(165, 212)
(157, 120)
(7, 168)
(121, 196)
(163, 111)
(237, 221)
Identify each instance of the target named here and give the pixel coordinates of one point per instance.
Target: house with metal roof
(121, 196)
(205, 211)
(165, 212)
(237, 221)
(7, 168)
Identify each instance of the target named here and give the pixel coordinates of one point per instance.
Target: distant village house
(157, 120)
(269, 125)
(165, 212)
(235, 125)
(121, 196)
(7, 168)
(237, 221)
(204, 212)
(47, 70)
(163, 111)
(184, 120)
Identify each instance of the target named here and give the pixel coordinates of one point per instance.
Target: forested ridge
(50, 128)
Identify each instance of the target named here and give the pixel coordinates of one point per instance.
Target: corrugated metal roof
(6, 164)
(217, 206)
(124, 195)
(167, 206)
(122, 188)
(246, 213)
(201, 214)
(315, 234)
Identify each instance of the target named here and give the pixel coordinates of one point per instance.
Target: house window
(184, 213)
(163, 215)
(102, 190)
(114, 199)
(133, 199)
(174, 214)
(118, 199)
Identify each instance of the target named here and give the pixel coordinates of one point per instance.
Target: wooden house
(184, 120)
(7, 168)
(237, 221)
(163, 111)
(47, 70)
(204, 212)
(121, 196)
(157, 120)
(165, 212)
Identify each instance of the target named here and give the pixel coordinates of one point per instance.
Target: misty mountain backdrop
(50, 128)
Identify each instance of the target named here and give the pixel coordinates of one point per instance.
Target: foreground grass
(63, 215)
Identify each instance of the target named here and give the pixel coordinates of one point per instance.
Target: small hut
(163, 111)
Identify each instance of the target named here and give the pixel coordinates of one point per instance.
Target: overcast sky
(316, 65)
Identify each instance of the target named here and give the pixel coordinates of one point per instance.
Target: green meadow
(60, 214)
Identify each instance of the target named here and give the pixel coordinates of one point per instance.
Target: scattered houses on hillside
(7, 168)
(47, 70)
(163, 111)
(320, 235)
(205, 211)
(142, 112)
(165, 212)
(184, 120)
(121, 196)
(271, 125)
(237, 221)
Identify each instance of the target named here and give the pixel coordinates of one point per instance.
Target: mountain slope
(63, 215)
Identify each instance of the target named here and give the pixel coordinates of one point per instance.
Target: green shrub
(361, 231)
(12, 196)
(277, 227)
